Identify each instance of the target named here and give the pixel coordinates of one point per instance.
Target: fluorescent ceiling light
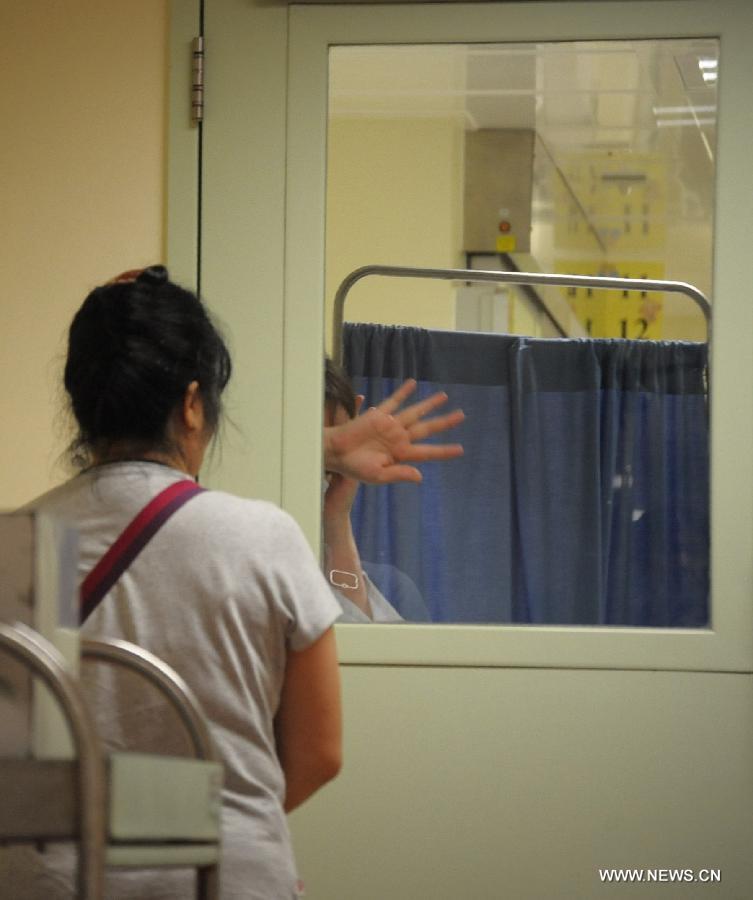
(674, 123)
(708, 63)
(678, 110)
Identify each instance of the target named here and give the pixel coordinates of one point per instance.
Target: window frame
(727, 645)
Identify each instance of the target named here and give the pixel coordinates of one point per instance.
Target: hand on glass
(379, 446)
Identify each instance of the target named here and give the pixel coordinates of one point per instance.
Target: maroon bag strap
(131, 542)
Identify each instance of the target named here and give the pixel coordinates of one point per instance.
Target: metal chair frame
(90, 830)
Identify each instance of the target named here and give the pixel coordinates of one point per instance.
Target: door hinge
(197, 80)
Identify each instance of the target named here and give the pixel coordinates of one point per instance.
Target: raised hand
(378, 446)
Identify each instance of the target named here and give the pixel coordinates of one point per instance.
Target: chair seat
(160, 800)
(39, 800)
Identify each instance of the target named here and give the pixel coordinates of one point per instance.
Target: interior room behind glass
(583, 494)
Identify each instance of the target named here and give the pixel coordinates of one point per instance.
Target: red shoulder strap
(131, 542)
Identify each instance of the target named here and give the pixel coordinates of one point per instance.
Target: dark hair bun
(153, 276)
(133, 348)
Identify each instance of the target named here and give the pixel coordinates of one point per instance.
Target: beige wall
(83, 162)
(398, 180)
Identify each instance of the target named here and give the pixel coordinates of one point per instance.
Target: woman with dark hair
(224, 589)
(227, 591)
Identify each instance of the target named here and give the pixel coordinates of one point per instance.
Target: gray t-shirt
(221, 593)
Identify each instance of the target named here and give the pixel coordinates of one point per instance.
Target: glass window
(582, 498)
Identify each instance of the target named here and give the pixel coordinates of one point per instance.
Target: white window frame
(727, 645)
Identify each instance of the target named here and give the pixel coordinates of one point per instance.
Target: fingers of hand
(398, 472)
(425, 429)
(391, 403)
(418, 410)
(429, 452)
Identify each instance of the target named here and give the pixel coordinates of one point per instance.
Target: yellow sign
(610, 201)
(506, 243)
(608, 313)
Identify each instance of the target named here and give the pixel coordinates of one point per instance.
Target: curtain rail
(530, 278)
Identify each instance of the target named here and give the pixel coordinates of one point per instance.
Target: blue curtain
(583, 495)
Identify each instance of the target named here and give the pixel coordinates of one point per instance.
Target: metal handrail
(530, 278)
(45, 661)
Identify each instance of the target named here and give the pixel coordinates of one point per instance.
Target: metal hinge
(197, 80)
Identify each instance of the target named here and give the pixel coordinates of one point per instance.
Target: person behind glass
(227, 592)
(353, 580)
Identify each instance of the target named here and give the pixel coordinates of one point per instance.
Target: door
(483, 761)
